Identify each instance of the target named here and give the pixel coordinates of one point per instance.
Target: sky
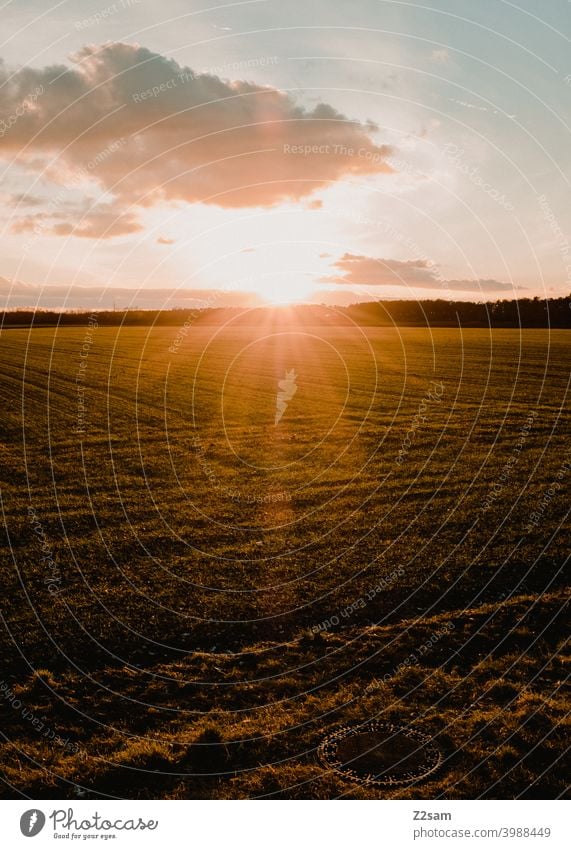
(188, 153)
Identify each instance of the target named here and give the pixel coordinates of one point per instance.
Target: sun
(283, 289)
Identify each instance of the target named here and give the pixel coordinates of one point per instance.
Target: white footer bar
(332, 824)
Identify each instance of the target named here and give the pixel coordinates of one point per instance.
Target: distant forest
(525, 312)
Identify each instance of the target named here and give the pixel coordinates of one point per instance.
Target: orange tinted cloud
(149, 130)
(105, 222)
(360, 270)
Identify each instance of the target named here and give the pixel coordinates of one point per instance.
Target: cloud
(441, 56)
(367, 271)
(106, 221)
(15, 294)
(150, 131)
(480, 108)
(360, 270)
(162, 240)
(11, 200)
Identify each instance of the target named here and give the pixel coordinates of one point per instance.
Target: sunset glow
(217, 165)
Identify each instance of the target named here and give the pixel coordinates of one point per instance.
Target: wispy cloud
(440, 56)
(106, 221)
(14, 294)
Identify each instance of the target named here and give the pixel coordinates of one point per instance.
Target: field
(194, 596)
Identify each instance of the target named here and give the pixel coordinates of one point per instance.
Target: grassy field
(195, 596)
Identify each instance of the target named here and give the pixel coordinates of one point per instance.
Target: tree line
(523, 312)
